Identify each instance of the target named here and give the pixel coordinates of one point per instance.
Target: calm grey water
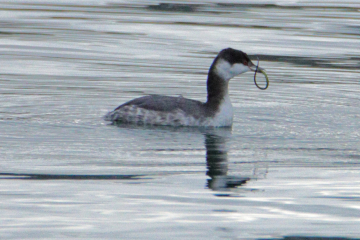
(288, 167)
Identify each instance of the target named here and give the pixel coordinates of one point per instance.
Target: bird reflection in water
(217, 162)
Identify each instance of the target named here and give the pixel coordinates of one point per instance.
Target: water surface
(288, 167)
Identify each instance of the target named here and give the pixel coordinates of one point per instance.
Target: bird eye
(245, 62)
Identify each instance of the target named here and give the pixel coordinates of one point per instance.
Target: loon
(217, 111)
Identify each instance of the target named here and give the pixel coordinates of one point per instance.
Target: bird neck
(217, 90)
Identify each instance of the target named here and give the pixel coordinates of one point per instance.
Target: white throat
(225, 114)
(227, 71)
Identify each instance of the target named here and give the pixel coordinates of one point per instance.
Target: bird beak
(253, 68)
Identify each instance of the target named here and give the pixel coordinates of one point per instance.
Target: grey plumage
(167, 104)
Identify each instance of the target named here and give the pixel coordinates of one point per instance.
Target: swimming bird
(217, 111)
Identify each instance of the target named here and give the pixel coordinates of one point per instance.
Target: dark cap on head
(234, 56)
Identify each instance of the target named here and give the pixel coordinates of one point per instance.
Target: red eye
(245, 62)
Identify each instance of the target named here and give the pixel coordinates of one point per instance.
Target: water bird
(217, 111)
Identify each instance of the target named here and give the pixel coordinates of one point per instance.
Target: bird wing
(166, 104)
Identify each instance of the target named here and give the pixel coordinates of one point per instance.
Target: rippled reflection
(217, 161)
